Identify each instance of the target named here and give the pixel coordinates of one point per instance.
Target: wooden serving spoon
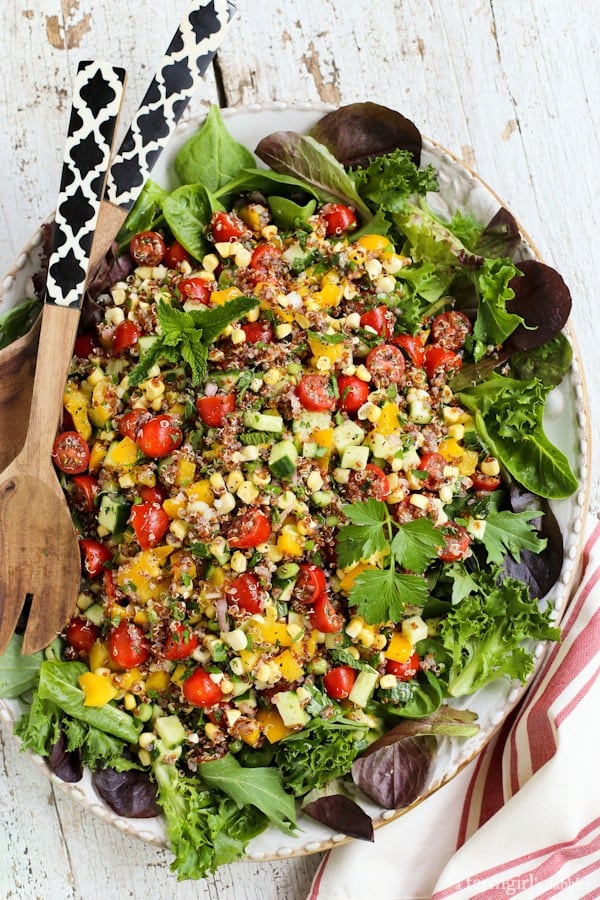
(177, 78)
(40, 552)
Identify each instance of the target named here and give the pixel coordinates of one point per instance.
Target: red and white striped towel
(523, 819)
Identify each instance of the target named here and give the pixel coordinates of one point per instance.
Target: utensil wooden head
(40, 555)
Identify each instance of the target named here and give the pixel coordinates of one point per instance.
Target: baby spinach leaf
(17, 321)
(143, 214)
(187, 211)
(212, 156)
(265, 181)
(289, 215)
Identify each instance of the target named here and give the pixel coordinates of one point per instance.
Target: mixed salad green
(304, 450)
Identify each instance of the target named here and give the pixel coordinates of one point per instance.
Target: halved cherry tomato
(404, 671)
(128, 646)
(450, 329)
(70, 453)
(150, 523)
(130, 422)
(379, 320)
(246, 591)
(226, 227)
(310, 583)
(413, 347)
(249, 529)
(159, 436)
(156, 494)
(456, 542)
(147, 248)
(386, 363)
(85, 490)
(126, 336)
(81, 634)
(264, 256)
(483, 482)
(439, 359)
(108, 584)
(175, 254)
(194, 289)
(338, 219)
(370, 481)
(325, 617)
(181, 641)
(353, 393)
(84, 345)
(200, 690)
(315, 394)
(433, 464)
(338, 682)
(212, 410)
(95, 556)
(258, 332)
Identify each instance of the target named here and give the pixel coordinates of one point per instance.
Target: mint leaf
(508, 532)
(195, 354)
(142, 369)
(416, 544)
(214, 319)
(380, 595)
(260, 787)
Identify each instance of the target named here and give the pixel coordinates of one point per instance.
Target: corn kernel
(144, 757)
(457, 432)
(213, 732)
(490, 466)
(115, 315)
(247, 492)
(225, 503)
(147, 740)
(236, 665)
(238, 562)
(234, 480)
(217, 483)
(353, 652)
(379, 642)
(269, 232)
(419, 501)
(354, 627)
(237, 640)
(272, 376)
(366, 636)
(129, 702)
(387, 682)
(283, 330)
(341, 476)
(210, 262)
(314, 482)
(238, 336)
(394, 263)
(363, 373)
(242, 257)
(385, 284)
(373, 268)
(253, 315)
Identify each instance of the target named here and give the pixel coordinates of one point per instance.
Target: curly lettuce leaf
(486, 635)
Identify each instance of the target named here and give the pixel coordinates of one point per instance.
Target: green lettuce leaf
(18, 673)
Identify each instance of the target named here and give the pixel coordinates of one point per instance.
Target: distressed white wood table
(510, 86)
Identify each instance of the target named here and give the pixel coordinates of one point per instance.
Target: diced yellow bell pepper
(249, 659)
(288, 665)
(201, 491)
(142, 576)
(97, 454)
(76, 404)
(174, 506)
(126, 680)
(457, 455)
(468, 463)
(125, 453)
(250, 733)
(104, 402)
(323, 437)
(217, 576)
(217, 298)
(272, 725)
(157, 681)
(289, 542)
(352, 574)
(399, 648)
(268, 633)
(375, 243)
(98, 689)
(179, 674)
(388, 421)
(332, 352)
(98, 655)
(330, 293)
(185, 471)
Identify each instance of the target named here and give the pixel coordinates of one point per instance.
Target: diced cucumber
(363, 687)
(113, 513)
(226, 379)
(322, 498)
(94, 613)
(263, 421)
(283, 459)
(145, 342)
(170, 730)
(348, 434)
(419, 407)
(355, 457)
(307, 422)
(289, 708)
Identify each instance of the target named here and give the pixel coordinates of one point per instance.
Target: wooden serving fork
(39, 549)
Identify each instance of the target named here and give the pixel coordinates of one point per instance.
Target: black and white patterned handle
(97, 97)
(181, 69)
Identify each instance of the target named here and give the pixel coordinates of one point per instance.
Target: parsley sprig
(381, 594)
(187, 336)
